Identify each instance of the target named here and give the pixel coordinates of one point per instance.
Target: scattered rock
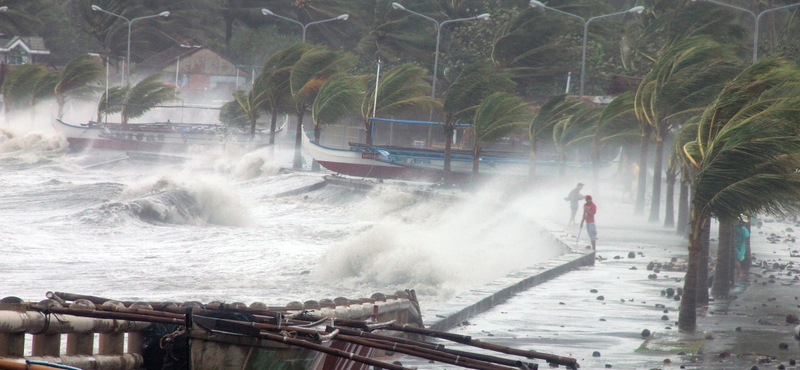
(677, 298)
(593, 291)
(724, 355)
(645, 333)
(667, 361)
(663, 293)
(631, 255)
(562, 303)
(602, 319)
(754, 368)
(633, 268)
(679, 291)
(709, 337)
(608, 366)
(738, 328)
(781, 367)
(652, 276)
(665, 318)
(792, 362)
(651, 266)
(617, 257)
(656, 270)
(659, 305)
(783, 345)
(670, 292)
(596, 354)
(792, 319)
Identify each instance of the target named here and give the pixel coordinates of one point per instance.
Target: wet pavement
(597, 314)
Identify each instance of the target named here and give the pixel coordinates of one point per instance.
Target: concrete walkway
(598, 313)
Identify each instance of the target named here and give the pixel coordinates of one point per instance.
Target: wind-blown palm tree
(746, 154)
(19, 86)
(687, 76)
(616, 127)
(399, 90)
(475, 83)
(495, 117)
(307, 76)
(251, 104)
(554, 110)
(572, 130)
(274, 81)
(133, 101)
(78, 81)
(339, 97)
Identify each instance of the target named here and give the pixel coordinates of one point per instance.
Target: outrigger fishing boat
(427, 164)
(157, 136)
(339, 334)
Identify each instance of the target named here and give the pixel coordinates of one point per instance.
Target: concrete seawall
(469, 304)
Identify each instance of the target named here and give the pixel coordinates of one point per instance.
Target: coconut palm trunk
(723, 272)
(687, 315)
(702, 270)
(273, 123)
(683, 206)
(448, 144)
(669, 211)
(297, 163)
(641, 187)
(748, 259)
(658, 167)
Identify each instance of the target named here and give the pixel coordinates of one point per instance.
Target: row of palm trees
(80, 81)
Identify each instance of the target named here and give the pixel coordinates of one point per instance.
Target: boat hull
(151, 137)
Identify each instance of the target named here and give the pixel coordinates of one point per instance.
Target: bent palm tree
(78, 81)
(400, 90)
(308, 75)
(337, 98)
(134, 101)
(495, 117)
(274, 81)
(554, 110)
(474, 84)
(746, 154)
(684, 80)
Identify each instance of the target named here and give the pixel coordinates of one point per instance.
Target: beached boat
(421, 164)
(155, 137)
(339, 334)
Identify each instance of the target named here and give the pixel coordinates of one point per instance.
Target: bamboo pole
(110, 315)
(467, 340)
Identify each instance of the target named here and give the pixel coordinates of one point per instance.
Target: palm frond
(145, 95)
(338, 98)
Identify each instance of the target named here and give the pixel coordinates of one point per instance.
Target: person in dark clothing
(573, 198)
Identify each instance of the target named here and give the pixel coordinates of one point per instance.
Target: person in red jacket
(589, 210)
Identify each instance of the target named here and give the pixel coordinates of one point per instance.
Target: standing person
(740, 233)
(589, 209)
(573, 198)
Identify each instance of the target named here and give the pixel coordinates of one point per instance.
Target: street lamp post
(398, 6)
(756, 19)
(268, 13)
(537, 4)
(127, 72)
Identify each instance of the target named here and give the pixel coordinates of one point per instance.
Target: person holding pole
(589, 210)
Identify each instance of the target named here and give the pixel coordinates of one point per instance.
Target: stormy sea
(230, 225)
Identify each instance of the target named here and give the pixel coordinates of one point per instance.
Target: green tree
(472, 86)
(574, 129)
(339, 97)
(616, 127)
(307, 76)
(495, 117)
(686, 77)
(274, 81)
(133, 101)
(553, 111)
(746, 156)
(78, 81)
(400, 90)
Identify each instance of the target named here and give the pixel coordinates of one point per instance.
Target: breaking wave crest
(30, 147)
(167, 200)
(440, 248)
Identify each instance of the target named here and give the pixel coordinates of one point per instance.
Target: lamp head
(636, 9)
(96, 8)
(398, 6)
(3, 8)
(536, 4)
(164, 14)
(343, 17)
(483, 16)
(267, 12)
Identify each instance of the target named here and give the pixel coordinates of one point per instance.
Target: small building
(23, 50)
(200, 74)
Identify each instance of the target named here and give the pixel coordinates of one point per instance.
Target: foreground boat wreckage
(339, 334)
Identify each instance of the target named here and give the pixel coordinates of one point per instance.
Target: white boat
(155, 137)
